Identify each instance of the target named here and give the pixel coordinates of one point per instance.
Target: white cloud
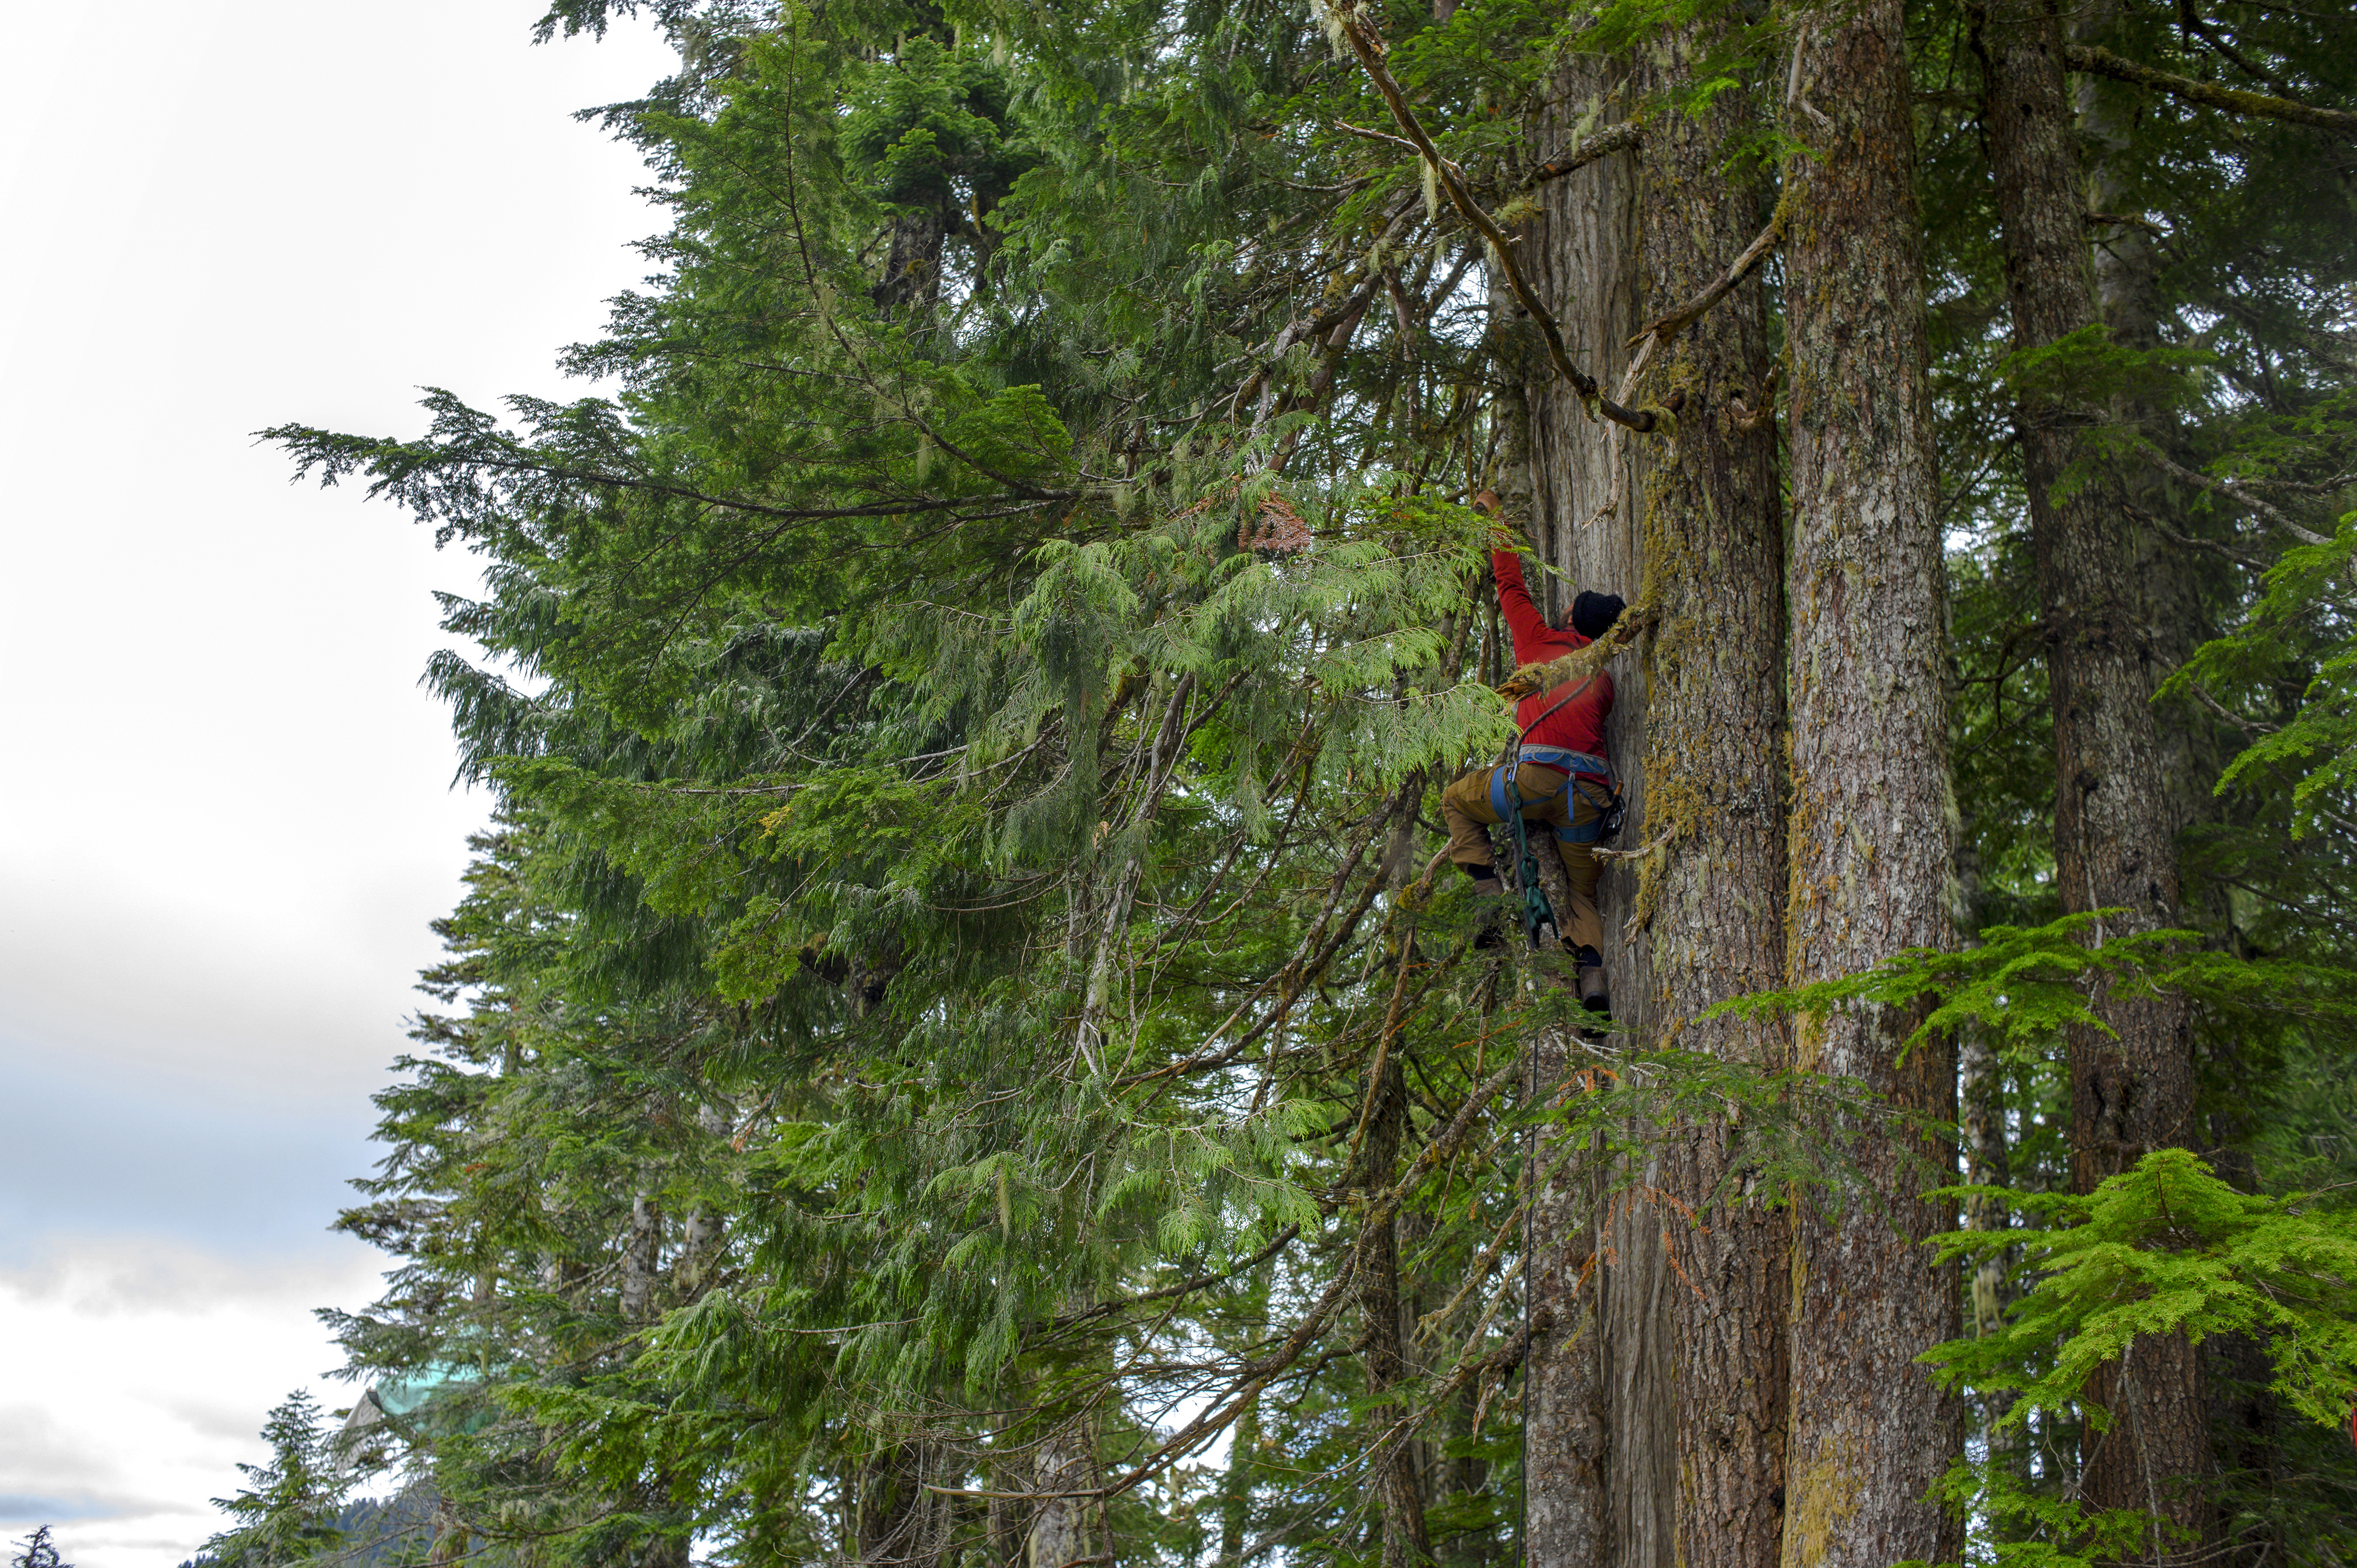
(138, 1376)
(225, 821)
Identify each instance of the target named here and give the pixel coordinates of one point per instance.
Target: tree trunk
(897, 1522)
(1873, 822)
(1564, 1505)
(2132, 1089)
(641, 1259)
(1981, 1118)
(1406, 1540)
(1712, 547)
(1608, 1497)
(1064, 1530)
(1236, 1484)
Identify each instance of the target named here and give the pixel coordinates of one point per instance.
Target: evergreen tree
(959, 1046)
(37, 1551)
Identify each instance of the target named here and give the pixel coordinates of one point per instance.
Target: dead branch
(2236, 493)
(1662, 328)
(1368, 44)
(1624, 137)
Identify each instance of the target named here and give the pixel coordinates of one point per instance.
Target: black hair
(1592, 614)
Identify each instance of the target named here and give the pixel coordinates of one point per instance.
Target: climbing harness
(1579, 765)
(1580, 769)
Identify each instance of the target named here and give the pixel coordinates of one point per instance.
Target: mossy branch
(2094, 61)
(1665, 327)
(1582, 663)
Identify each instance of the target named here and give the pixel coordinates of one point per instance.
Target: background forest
(961, 1047)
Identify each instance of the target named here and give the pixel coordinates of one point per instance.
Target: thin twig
(1368, 44)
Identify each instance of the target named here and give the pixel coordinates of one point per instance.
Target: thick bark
(1712, 902)
(2132, 1087)
(1610, 1499)
(1563, 1451)
(1873, 825)
(2173, 584)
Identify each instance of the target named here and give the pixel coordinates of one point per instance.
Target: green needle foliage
(960, 1005)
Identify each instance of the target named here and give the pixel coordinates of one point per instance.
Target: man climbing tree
(1560, 778)
(913, 617)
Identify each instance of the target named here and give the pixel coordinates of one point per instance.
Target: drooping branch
(1249, 1378)
(1283, 1239)
(2093, 60)
(1368, 44)
(1256, 1375)
(2236, 494)
(396, 468)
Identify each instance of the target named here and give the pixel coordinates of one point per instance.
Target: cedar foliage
(959, 1014)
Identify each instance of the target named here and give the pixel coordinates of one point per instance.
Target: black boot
(1592, 993)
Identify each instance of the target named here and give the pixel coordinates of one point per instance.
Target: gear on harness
(1576, 766)
(1615, 812)
(1539, 915)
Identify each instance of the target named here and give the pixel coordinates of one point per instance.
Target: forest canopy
(963, 1045)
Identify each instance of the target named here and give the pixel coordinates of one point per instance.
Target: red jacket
(1578, 724)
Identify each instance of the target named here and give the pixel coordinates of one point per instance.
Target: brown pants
(1551, 807)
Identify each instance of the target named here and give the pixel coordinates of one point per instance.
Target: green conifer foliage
(959, 1047)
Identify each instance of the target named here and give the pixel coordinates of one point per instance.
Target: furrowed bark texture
(1873, 824)
(2176, 586)
(2132, 1090)
(1582, 255)
(1064, 1530)
(1713, 900)
(1564, 1450)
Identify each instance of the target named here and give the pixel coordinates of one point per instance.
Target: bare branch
(2236, 494)
(1368, 44)
(1625, 137)
(1665, 327)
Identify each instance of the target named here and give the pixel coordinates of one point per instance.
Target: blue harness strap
(1581, 833)
(1506, 796)
(1504, 799)
(1568, 760)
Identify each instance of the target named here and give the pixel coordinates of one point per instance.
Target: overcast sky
(225, 811)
